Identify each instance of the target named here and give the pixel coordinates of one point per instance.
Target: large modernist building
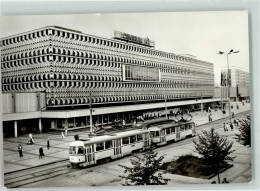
(51, 75)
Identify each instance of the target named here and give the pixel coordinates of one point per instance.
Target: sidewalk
(59, 148)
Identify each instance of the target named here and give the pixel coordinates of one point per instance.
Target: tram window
(187, 127)
(108, 144)
(155, 134)
(80, 150)
(182, 128)
(168, 131)
(139, 137)
(173, 129)
(72, 150)
(132, 139)
(99, 146)
(125, 140)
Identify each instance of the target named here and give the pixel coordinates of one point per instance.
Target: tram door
(90, 155)
(178, 134)
(163, 136)
(193, 129)
(117, 148)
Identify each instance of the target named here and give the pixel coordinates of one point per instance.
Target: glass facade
(137, 73)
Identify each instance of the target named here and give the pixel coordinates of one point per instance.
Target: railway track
(28, 176)
(41, 173)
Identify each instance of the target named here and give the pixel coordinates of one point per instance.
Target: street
(59, 175)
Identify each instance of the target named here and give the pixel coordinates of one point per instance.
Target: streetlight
(228, 78)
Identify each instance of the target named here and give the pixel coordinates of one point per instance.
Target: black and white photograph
(125, 99)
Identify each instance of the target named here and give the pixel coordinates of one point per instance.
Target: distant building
(48, 74)
(239, 84)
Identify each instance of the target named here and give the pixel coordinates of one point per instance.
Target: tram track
(60, 168)
(28, 176)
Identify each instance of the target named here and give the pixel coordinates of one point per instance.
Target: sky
(202, 34)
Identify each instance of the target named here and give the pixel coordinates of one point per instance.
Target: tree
(144, 170)
(245, 132)
(214, 149)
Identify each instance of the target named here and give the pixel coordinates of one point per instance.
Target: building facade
(63, 68)
(239, 84)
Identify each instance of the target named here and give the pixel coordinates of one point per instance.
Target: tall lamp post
(228, 79)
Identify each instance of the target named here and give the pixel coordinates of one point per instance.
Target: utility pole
(228, 80)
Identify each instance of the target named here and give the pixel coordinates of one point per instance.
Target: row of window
(116, 86)
(172, 130)
(125, 141)
(93, 59)
(94, 40)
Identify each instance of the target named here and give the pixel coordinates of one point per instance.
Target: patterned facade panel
(67, 65)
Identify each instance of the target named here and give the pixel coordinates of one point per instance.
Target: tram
(93, 150)
(161, 134)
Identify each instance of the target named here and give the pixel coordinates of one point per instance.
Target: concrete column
(66, 123)
(15, 129)
(86, 120)
(52, 124)
(40, 125)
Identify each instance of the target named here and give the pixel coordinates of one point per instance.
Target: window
(168, 131)
(72, 150)
(125, 141)
(132, 139)
(182, 128)
(108, 144)
(187, 127)
(173, 129)
(80, 150)
(99, 146)
(139, 137)
(155, 134)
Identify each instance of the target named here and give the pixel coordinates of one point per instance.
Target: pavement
(59, 150)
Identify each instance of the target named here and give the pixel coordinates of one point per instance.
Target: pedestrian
(62, 135)
(20, 149)
(235, 122)
(41, 154)
(48, 144)
(31, 141)
(231, 126)
(224, 181)
(224, 126)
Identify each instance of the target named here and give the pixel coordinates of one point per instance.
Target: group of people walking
(31, 141)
